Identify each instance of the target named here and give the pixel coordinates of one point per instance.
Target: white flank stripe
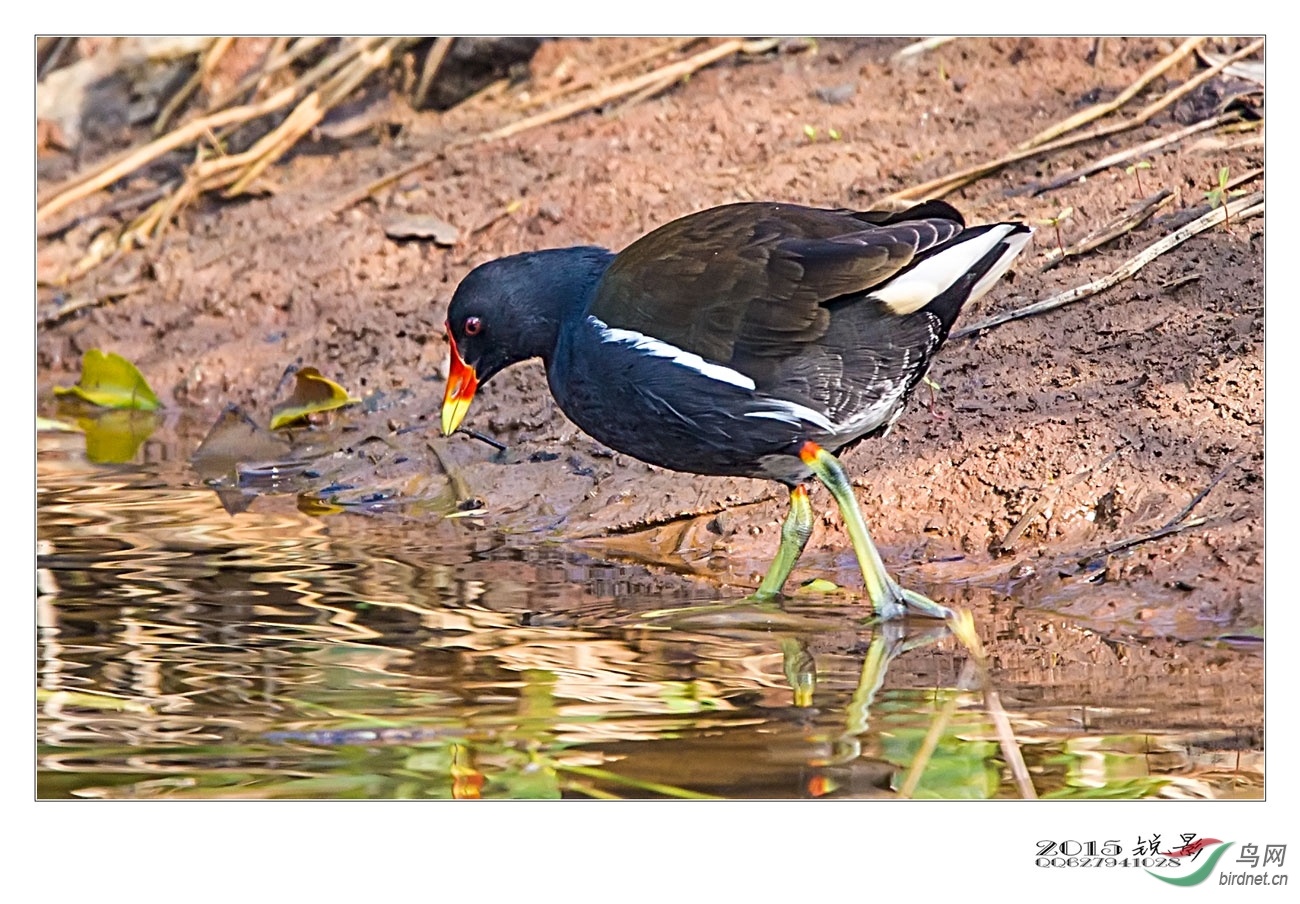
(927, 280)
(793, 413)
(657, 348)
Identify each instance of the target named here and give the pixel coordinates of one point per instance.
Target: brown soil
(1102, 420)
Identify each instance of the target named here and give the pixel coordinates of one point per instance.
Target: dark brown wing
(750, 280)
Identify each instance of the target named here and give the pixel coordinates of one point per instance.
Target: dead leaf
(235, 438)
(312, 394)
(421, 226)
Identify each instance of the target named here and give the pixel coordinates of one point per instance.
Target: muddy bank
(1057, 446)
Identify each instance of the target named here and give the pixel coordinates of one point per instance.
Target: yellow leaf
(111, 381)
(115, 436)
(312, 394)
(315, 505)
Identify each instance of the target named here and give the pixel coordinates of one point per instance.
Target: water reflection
(186, 652)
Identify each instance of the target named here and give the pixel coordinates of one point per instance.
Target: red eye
(473, 326)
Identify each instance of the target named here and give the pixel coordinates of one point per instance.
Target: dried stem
(1139, 150)
(1242, 207)
(602, 96)
(937, 188)
(590, 101)
(210, 59)
(88, 184)
(1096, 111)
(1136, 215)
(432, 63)
(653, 53)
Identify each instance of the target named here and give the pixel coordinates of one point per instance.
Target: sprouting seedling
(834, 133)
(1135, 169)
(1055, 222)
(1218, 197)
(810, 130)
(935, 389)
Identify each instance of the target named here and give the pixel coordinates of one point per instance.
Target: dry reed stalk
(1096, 111)
(937, 188)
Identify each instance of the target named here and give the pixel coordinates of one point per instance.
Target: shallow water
(185, 652)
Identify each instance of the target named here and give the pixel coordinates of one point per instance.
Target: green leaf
(312, 394)
(113, 437)
(111, 381)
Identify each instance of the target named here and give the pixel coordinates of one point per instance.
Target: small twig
(1249, 176)
(88, 184)
(1010, 747)
(922, 46)
(275, 61)
(1096, 111)
(644, 94)
(56, 312)
(937, 188)
(487, 92)
(609, 72)
(1127, 154)
(312, 110)
(1135, 216)
(61, 46)
(1241, 208)
(1043, 501)
(962, 625)
(929, 743)
(211, 57)
(119, 204)
(483, 437)
(1166, 531)
(602, 96)
(1196, 500)
(432, 63)
(588, 102)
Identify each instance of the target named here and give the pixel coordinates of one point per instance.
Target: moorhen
(752, 339)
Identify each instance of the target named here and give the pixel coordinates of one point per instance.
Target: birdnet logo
(1193, 860)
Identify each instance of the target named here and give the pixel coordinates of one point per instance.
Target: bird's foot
(899, 602)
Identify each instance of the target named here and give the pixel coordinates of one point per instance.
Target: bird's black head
(510, 310)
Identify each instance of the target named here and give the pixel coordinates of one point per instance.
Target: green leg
(794, 536)
(800, 669)
(889, 600)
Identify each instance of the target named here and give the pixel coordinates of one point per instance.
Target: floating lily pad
(312, 394)
(110, 381)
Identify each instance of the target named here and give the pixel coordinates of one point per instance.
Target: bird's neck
(561, 287)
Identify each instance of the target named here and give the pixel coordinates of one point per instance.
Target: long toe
(921, 605)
